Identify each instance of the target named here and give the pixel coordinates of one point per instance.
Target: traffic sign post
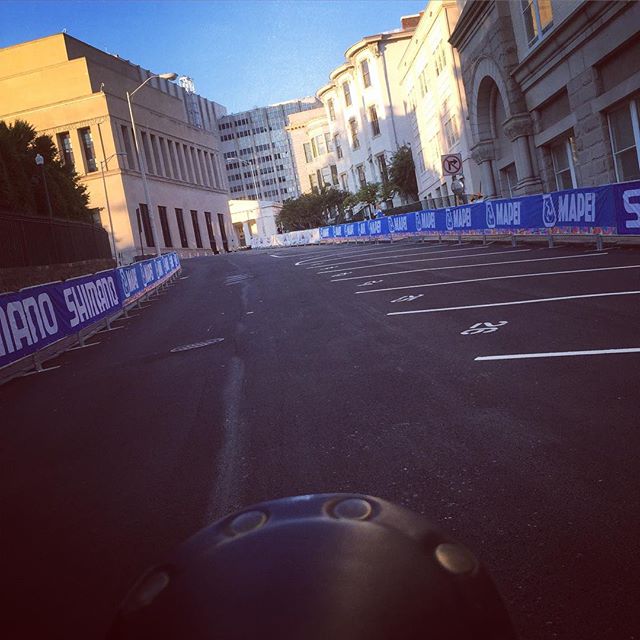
(451, 164)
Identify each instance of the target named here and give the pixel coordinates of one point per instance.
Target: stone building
(363, 106)
(77, 94)
(435, 105)
(314, 154)
(552, 89)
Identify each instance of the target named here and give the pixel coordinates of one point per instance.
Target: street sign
(451, 164)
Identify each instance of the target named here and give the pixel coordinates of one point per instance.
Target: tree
(312, 210)
(403, 173)
(21, 188)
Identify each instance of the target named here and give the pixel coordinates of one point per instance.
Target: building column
(483, 154)
(518, 129)
(246, 229)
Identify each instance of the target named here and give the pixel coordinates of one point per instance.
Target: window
(314, 148)
(440, 59)
(156, 155)
(181, 229)
(362, 178)
(451, 131)
(327, 140)
(147, 153)
(353, 126)
(364, 69)
(563, 156)
(538, 17)
(126, 138)
(66, 151)
(344, 183)
(313, 182)
(423, 84)
(165, 157)
(320, 145)
(373, 119)
(212, 237)
(164, 223)
(382, 168)
(196, 228)
(624, 127)
(144, 223)
(334, 174)
(338, 147)
(347, 93)
(509, 180)
(332, 110)
(87, 149)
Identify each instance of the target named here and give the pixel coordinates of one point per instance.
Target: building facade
(77, 94)
(254, 218)
(435, 105)
(553, 91)
(363, 124)
(314, 152)
(257, 153)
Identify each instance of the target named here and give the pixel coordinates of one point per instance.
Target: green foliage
(312, 210)
(21, 180)
(403, 173)
(369, 194)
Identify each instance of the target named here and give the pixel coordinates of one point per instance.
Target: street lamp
(103, 164)
(253, 175)
(40, 163)
(152, 217)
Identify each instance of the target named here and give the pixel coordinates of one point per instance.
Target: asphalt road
(111, 460)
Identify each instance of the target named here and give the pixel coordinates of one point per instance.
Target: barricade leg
(550, 239)
(599, 243)
(513, 240)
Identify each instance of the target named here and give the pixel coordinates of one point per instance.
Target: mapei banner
(603, 210)
(39, 316)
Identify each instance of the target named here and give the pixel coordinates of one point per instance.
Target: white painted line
(515, 302)
(470, 255)
(327, 257)
(521, 275)
(466, 266)
(559, 354)
(388, 255)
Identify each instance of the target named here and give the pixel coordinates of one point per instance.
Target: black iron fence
(27, 240)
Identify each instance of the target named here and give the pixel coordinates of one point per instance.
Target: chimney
(410, 22)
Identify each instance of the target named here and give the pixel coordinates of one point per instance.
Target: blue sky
(241, 53)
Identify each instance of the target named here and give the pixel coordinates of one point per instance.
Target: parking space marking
(515, 302)
(465, 266)
(369, 251)
(558, 354)
(470, 255)
(520, 275)
(389, 255)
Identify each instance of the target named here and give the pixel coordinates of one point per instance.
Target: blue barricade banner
(606, 210)
(136, 279)
(38, 316)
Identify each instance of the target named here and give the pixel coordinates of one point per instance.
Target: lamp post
(143, 174)
(103, 164)
(40, 163)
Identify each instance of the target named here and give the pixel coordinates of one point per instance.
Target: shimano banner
(38, 316)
